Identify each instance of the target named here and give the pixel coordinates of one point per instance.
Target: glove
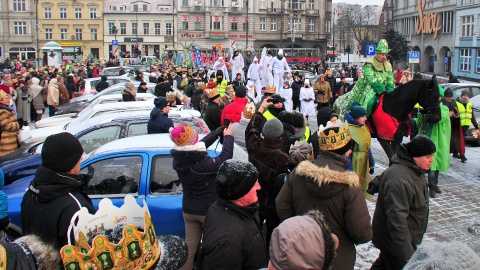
(390, 87)
(372, 188)
(378, 88)
(372, 170)
(219, 131)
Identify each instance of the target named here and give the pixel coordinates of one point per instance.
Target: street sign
(114, 42)
(445, 61)
(185, 18)
(413, 57)
(371, 49)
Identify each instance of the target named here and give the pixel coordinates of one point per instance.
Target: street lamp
(37, 55)
(333, 30)
(246, 38)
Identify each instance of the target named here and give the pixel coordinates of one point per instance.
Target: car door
(164, 196)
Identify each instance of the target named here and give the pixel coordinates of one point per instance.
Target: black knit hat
(235, 178)
(219, 73)
(420, 146)
(448, 93)
(160, 102)
(61, 152)
(240, 91)
(297, 120)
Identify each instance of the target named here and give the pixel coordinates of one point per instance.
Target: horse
(390, 118)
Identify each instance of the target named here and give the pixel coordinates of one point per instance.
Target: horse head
(429, 100)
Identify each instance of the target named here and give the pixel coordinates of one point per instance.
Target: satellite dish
(73, 37)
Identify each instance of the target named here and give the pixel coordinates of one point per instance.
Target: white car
(91, 84)
(115, 71)
(69, 117)
(113, 89)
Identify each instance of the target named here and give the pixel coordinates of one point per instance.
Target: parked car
(469, 137)
(457, 88)
(115, 71)
(91, 84)
(138, 166)
(24, 162)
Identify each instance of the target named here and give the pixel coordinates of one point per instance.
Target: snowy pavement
(454, 214)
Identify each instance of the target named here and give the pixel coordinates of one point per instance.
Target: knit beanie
(240, 91)
(420, 146)
(448, 93)
(300, 151)
(160, 102)
(61, 152)
(357, 110)
(324, 115)
(298, 120)
(184, 135)
(273, 128)
(235, 178)
(444, 255)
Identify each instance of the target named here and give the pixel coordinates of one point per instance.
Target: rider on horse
(376, 78)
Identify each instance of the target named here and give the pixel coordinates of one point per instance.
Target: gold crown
(270, 89)
(248, 112)
(171, 96)
(201, 85)
(334, 140)
(211, 92)
(135, 250)
(229, 88)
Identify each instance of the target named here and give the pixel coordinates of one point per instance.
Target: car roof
(119, 96)
(458, 85)
(109, 78)
(151, 142)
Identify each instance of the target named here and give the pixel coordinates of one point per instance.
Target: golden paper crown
(270, 89)
(248, 112)
(201, 85)
(135, 250)
(229, 88)
(334, 140)
(211, 92)
(171, 96)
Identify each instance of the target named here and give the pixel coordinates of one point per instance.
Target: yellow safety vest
(221, 87)
(465, 113)
(306, 136)
(268, 115)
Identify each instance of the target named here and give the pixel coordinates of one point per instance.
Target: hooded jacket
(8, 130)
(326, 185)
(50, 202)
(233, 111)
(53, 93)
(103, 84)
(159, 122)
(401, 214)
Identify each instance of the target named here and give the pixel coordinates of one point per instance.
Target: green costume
(360, 158)
(376, 78)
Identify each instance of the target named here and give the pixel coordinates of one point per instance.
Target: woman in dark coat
(71, 86)
(197, 171)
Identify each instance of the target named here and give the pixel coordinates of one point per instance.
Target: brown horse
(390, 119)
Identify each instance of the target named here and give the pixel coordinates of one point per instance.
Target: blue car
(140, 166)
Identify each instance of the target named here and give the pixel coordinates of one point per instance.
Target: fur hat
(357, 110)
(324, 115)
(35, 80)
(276, 98)
(184, 135)
(420, 146)
(160, 102)
(273, 128)
(235, 178)
(61, 152)
(300, 151)
(255, 59)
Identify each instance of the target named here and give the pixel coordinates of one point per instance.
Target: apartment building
(467, 32)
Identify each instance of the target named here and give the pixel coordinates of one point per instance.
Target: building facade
(144, 25)
(430, 28)
(76, 25)
(17, 31)
(265, 23)
(467, 34)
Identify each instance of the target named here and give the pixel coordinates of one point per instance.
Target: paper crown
(229, 88)
(201, 85)
(137, 249)
(211, 93)
(248, 112)
(270, 89)
(334, 140)
(171, 96)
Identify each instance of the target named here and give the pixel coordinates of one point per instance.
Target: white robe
(267, 76)
(286, 93)
(221, 66)
(255, 75)
(307, 108)
(237, 66)
(279, 67)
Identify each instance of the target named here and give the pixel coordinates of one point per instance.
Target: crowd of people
(307, 187)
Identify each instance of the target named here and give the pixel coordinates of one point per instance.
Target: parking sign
(371, 48)
(114, 42)
(413, 57)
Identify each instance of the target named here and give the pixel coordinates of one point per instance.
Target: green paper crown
(382, 47)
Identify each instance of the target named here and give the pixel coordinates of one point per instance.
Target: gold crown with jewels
(270, 89)
(333, 140)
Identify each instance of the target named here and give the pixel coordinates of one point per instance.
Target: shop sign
(133, 39)
(217, 35)
(428, 22)
(70, 44)
(239, 36)
(189, 35)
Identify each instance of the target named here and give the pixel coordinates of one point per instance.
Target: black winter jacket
(401, 214)
(213, 113)
(296, 85)
(197, 172)
(103, 84)
(159, 122)
(162, 88)
(50, 202)
(232, 238)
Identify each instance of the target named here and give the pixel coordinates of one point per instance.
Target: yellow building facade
(77, 25)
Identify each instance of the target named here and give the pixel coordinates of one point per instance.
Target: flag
(199, 60)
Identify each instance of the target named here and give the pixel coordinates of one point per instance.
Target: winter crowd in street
(298, 202)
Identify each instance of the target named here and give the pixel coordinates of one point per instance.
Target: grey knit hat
(300, 151)
(444, 255)
(273, 128)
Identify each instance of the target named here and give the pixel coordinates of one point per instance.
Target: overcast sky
(370, 2)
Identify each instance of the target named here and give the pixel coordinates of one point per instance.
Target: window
(164, 180)
(157, 29)
(145, 8)
(263, 24)
(146, 28)
(93, 13)
(216, 25)
(134, 28)
(217, 3)
(18, 5)
(234, 26)
(447, 21)
(297, 24)
(114, 176)
(48, 34)
(78, 13)
(99, 137)
(245, 26)
(198, 26)
(406, 26)
(465, 57)
(135, 8)
(185, 25)
(168, 29)
(311, 5)
(467, 2)
(47, 13)
(263, 4)
(123, 28)
(63, 34)
(137, 129)
(113, 8)
(111, 25)
(78, 34)
(93, 34)
(20, 28)
(273, 24)
(185, 3)
(467, 26)
(63, 13)
(328, 26)
(311, 25)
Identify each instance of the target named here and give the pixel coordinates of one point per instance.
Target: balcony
(237, 10)
(313, 12)
(197, 9)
